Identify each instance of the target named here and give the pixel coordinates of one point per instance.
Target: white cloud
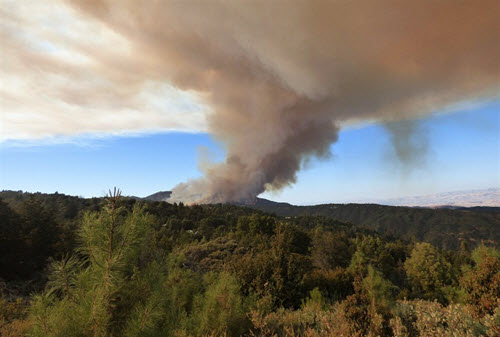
(63, 74)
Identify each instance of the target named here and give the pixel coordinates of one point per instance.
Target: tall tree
(428, 271)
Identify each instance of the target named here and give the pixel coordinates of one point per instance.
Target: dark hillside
(440, 226)
(158, 196)
(443, 227)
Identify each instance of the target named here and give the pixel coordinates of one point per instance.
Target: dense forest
(445, 228)
(119, 266)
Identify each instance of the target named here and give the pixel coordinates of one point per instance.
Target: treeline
(119, 267)
(35, 227)
(442, 227)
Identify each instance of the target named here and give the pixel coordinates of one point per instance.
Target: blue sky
(86, 103)
(463, 153)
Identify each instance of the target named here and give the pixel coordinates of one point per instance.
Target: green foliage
(315, 301)
(62, 275)
(334, 284)
(444, 228)
(35, 228)
(158, 269)
(483, 252)
(380, 291)
(13, 314)
(330, 249)
(424, 318)
(387, 257)
(91, 291)
(359, 312)
(223, 311)
(27, 239)
(11, 243)
(276, 269)
(256, 224)
(482, 282)
(428, 272)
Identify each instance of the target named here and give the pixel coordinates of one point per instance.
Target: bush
(223, 310)
(482, 282)
(424, 318)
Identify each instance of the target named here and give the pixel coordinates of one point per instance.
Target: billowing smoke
(283, 76)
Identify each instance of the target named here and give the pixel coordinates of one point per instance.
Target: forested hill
(121, 266)
(440, 226)
(444, 227)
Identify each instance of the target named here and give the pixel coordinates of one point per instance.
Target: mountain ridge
(444, 226)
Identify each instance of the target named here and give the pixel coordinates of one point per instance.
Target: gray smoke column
(409, 142)
(283, 76)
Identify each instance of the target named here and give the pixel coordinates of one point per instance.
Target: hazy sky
(94, 95)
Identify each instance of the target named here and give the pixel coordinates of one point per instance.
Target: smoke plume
(409, 142)
(283, 76)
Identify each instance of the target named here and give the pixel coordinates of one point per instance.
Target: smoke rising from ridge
(282, 76)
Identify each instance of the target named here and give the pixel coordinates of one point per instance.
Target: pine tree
(83, 296)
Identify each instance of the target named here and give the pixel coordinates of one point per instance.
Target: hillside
(158, 196)
(440, 226)
(118, 266)
(445, 227)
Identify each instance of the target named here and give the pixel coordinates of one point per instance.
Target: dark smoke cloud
(282, 76)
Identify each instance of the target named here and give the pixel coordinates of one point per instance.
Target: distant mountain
(458, 199)
(470, 198)
(159, 196)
